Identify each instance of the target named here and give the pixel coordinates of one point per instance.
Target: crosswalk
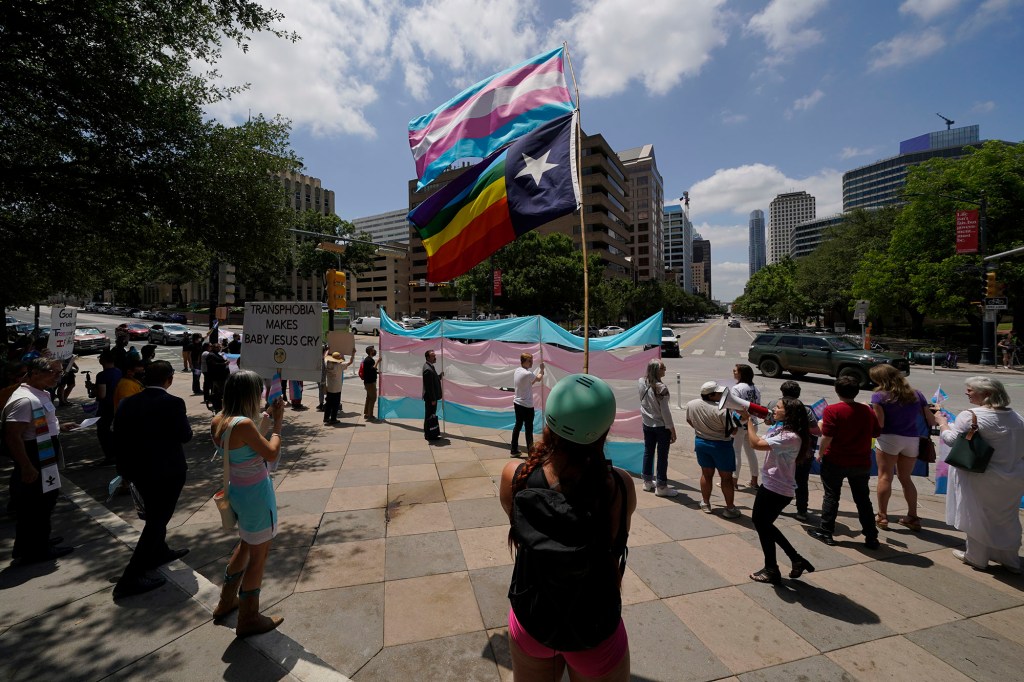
(719, 353)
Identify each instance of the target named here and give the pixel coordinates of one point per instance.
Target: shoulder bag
(970, 452)
(228, 519)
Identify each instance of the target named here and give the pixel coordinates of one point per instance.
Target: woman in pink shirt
(788, 443)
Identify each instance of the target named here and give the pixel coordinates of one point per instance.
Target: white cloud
(905, 49)
(983, 107)
(729, 118)
(926, 10)
(853, 152)
(805, 103)
(727, 277)
(473, 38)
(722, 236)
(742, 189)
(988, 13)
(658, 42)
(325, 80)
(781, 24)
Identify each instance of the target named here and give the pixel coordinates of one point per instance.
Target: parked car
(669, 343)
(366, 325)
(140, 314)
(136, 331)
(11, 319)
(734, 323)
(176, 318)
(578, 331)
(168, 334)
(414, 322)
(610, 330)
(90, 340)
(831, 354)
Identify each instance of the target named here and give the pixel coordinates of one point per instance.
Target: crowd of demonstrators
(368, 372)
(150, 429)
(237, 430)
(335, 381)
(658, 428)
(569, 511)
(31, 438)
(432, 392)
(745, 390)
(714, 428)
(986, 505)
(904, 418)
(523, 380)
(785, 446)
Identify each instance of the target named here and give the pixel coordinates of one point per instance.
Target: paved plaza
(392, 563)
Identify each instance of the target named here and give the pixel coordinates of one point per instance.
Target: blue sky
(741, 99)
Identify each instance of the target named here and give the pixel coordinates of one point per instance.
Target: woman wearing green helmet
(570, 512)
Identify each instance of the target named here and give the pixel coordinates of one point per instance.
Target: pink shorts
(590, 662)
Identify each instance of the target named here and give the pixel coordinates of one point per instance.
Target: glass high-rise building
(678, 245)
(756, 245)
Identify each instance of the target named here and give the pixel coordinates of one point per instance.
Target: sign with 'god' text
(283, 335)
(62, 332)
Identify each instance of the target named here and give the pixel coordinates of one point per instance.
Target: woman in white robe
(986, 506)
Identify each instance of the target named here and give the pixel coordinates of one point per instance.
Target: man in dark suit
(149, 430)
(431, 391)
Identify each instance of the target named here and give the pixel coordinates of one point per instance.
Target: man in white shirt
(25, 438)
(524, 379)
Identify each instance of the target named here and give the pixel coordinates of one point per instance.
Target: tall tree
(105, 152)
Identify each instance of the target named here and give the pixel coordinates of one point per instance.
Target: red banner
(967, 232)
(497, 282)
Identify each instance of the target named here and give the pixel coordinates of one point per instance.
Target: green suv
(831, 354)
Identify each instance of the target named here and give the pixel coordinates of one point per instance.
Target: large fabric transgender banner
(479, 358)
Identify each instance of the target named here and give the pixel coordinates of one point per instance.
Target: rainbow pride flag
(512, 191)
(490, 114)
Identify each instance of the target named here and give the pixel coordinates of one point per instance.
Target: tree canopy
(110, 174)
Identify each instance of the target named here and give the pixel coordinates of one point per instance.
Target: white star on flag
(536, 168)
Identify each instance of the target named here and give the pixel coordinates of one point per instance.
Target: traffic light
(336, 290)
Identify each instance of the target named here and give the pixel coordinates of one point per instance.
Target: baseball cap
(710, 387)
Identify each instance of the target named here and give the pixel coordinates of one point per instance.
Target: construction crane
(949, 121)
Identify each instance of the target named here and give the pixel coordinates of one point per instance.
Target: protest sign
(285, 336)
(342, 342)
(62, 332)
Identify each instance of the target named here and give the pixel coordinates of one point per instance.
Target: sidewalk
(392, 564)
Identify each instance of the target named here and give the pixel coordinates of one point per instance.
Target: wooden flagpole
(583, 229)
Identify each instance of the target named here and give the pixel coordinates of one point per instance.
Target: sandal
(911, 522)
(767, 575)
(882, 521)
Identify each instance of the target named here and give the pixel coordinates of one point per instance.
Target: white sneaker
(962, 556)
(705, 507)
(648, 486)
(665, 491)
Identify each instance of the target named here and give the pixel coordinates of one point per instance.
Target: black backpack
(565, 590)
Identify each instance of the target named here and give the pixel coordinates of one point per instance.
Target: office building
(392, 226)
(756, 245)
(646, 201)
(808, 235)
(785, 212)
(679, 244)
(880, 183)
(701, 265)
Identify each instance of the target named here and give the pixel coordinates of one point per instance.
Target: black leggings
(767, 507)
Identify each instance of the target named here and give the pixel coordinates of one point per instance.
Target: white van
(366, 325)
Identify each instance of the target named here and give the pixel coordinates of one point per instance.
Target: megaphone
(740, 405)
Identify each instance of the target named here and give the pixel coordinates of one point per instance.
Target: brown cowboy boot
(250, 620)
(228, 594)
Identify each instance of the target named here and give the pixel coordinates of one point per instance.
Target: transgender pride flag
(485, 117)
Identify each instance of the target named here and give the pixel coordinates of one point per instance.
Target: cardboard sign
(62, 332)
(285, 336)
(342, 342)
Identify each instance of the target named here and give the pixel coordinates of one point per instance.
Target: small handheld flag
(939, 395)
(276, 391)
(818, 408)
